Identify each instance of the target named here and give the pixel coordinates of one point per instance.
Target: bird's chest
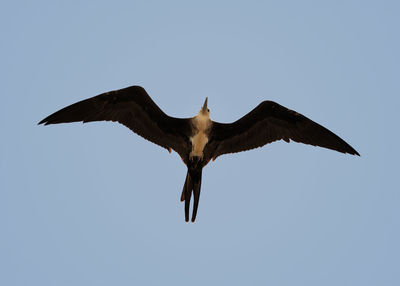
(199, 139)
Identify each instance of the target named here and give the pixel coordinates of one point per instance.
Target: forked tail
(192, 185)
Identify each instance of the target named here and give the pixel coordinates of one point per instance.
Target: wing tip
(47, 121)
(350, 150)
(44, 122)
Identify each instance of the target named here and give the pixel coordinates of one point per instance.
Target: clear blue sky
(95, 204)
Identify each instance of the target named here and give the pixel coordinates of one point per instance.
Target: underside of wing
(270, 122)
(132, 107)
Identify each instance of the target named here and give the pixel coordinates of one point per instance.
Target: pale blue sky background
(95, 204)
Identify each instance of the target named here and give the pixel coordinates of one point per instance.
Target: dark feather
(134, 108)
(269, 122)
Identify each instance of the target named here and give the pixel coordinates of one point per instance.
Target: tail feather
(192, 185)
(196, 195)
(187, 193)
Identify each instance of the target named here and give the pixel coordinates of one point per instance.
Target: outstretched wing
(269, 122)
(132, 107)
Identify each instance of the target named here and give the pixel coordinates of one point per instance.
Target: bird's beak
(204, 108)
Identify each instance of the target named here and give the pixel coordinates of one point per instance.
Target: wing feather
(132, 107)
(269, 122)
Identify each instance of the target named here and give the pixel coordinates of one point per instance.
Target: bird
(198, 139)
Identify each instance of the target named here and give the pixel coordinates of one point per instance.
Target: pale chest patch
(201, 124)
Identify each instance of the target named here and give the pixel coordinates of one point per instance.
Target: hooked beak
(204, 108)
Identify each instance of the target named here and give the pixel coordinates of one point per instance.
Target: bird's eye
(208, 110)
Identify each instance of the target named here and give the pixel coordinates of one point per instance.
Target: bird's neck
(201, 122)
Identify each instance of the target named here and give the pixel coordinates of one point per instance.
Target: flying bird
(198, 140)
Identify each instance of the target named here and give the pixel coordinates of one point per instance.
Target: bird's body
(201, 126)
(199, 139)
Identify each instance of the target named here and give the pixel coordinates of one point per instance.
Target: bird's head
(204, 110)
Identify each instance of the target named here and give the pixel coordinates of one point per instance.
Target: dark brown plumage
(132, 107)
(269, 122)
(266, 123)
